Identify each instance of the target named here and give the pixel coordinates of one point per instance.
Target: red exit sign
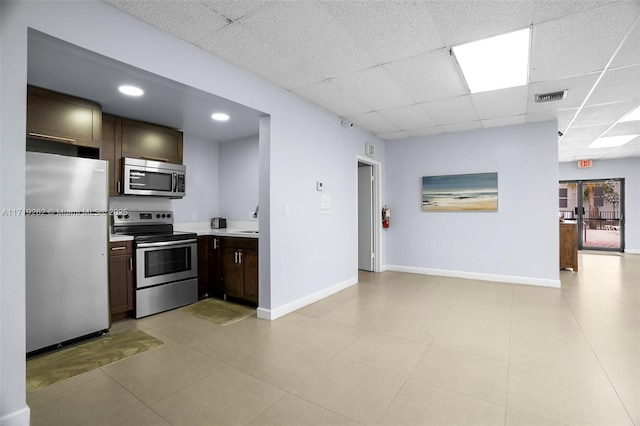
(584, 163)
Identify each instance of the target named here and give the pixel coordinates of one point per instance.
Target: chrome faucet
(255, 214)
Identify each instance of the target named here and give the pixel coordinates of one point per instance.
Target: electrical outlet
(319, 186)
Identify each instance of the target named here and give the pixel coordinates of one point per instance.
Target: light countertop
(234, 229)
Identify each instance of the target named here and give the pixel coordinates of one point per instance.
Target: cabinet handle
(118, 187)
(235, 256)
(57, 138)
(131, 263)
(215, 243)
(164, 160)
(118, 248)
(240, 256)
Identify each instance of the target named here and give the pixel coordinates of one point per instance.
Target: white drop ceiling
(385, 65)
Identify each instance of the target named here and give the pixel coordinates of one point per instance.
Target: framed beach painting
(470, 192)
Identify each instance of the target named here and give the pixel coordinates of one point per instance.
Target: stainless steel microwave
(155, 178)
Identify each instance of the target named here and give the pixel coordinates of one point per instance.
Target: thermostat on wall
(319, 186)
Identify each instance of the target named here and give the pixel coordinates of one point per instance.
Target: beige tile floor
(396, 349)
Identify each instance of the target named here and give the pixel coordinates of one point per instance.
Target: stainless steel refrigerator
(67, 290)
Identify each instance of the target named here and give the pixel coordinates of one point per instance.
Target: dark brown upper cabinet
(57, 117)
(151, 142)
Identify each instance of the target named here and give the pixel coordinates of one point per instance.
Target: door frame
(376, 168)
(580, 202)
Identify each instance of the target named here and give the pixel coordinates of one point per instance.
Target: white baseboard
(632, 251)
(17, 418)
(476, 276)
(272, 314)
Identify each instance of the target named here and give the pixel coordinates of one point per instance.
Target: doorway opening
(597, 206)
(369, 246)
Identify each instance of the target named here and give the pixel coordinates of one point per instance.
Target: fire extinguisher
(386, 214)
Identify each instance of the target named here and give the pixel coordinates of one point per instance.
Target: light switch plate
(285, 209)
(369, 149)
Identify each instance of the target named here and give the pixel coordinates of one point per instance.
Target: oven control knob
(168, 215)
(119, 216)
(158, 216)
(126, 216)
(164, 215)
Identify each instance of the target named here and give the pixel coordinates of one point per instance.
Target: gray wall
(627, 168)
(201, 159)
(239, 167)
(518, 243)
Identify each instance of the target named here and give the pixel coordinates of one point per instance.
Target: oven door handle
(166, 243)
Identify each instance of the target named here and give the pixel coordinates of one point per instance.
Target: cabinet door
(215, 278)
(232, 273)
(204, 279)
(250, 264)
(110, 151)
(57, 117)
(121, 290)
(151, 142)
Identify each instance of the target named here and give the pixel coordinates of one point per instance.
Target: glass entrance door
(597, 206)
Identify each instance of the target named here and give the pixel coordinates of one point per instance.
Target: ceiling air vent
(550, 97)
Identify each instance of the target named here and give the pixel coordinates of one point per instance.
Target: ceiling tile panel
(620, 84)
(629, 54)
(240, 47)
(603, 114)
(501, 103)
(373, 122)
(625, 128)
(234, 9)
(428, 77)
(463, 21)
(451, 111)
(408, 117)
(579, 43)
(584, 133)
(547, 10)
(504, 121)
(373, 88)
(577, 89)
(188, 20)
(387, 30)
(326, 94)
(309, 32)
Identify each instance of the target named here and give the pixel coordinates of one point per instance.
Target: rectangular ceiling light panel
(611, 141)
(495, 63)
(633, 115)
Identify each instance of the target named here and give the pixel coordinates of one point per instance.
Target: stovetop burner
(149, 226)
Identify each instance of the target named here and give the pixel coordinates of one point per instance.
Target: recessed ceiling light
(633, 115)
(611, 141)
(495, 63)
(131, 90)
(220, 116)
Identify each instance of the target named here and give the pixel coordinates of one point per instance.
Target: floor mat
(219, 311)
(65, 363)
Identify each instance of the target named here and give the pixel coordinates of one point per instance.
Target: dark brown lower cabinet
(209, 267)
(239, 269)
(121, 291)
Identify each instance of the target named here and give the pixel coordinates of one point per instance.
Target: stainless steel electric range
(166, 261)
